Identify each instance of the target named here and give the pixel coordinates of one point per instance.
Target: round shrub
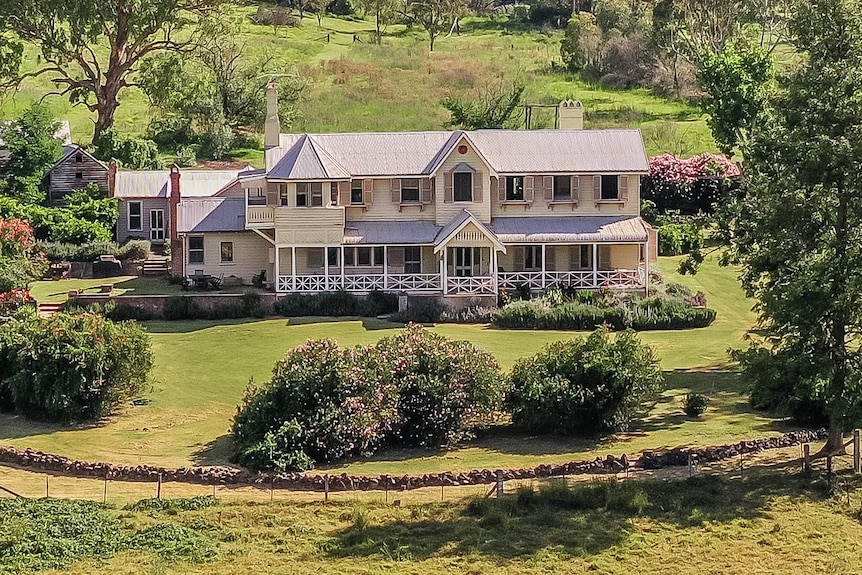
(694, 404)
(585, 385)
(443, 385)
(71, 366)
(322, 404)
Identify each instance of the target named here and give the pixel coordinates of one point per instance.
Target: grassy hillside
(356, 86)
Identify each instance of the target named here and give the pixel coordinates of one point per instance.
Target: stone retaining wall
(155, 304)
(59, 465)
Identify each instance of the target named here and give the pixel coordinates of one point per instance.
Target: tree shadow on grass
(14, 426)
(578, 523)
(214, 452)
(192, 325)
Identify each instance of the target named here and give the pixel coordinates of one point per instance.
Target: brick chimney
(177, 254)
(570, 115)
(272, 126)
(112, 178)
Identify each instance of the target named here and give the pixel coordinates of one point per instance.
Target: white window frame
(532, 258)
(408, 184)
(200, 250)
(560, 198)
(139, 215)
(413, 266)
(513, 183)
(357, 186)
(602, 188)
(375, 256)
(455, 187)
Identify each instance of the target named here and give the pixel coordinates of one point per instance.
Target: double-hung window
(135, 216)
(409, 190)
(363, 257)
(226, 252)
(357, 197)
(413, 260)
(463, 186)
(515, 188)
(309, 194)
(562, 188)
(533, 257)
(283, 195)
(256, 197)
(610, 187)
(196, 249)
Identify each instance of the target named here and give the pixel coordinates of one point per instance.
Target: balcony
(608, 279)
(362, 283)
(260, 215)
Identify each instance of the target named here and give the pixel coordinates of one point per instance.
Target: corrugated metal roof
(457, 223)
(562, 151)
(211, 215)
(306, 160)
(507, 152)
(419, 232)
(142, 184)
(156, 183)
(569, 229)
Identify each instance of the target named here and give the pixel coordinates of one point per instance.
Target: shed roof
(420, 232)
(570, 229)
(211, 215)
(156, 183)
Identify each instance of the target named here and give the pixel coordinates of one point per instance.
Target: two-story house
(451, 213)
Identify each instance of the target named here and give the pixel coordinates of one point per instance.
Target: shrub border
(31, 460)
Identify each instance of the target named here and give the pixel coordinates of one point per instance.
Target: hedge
(336, 304)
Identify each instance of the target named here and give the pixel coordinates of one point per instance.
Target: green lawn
(203, 367)
(58, 290)
(359, 86)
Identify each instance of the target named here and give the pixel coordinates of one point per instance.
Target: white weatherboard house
(449, 213)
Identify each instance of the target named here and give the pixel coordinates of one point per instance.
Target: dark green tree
(90, 48)
(797, 228)
(33, 149)
(734, 81)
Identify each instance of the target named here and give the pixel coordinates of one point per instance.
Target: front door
(463, 262)
(157, 225)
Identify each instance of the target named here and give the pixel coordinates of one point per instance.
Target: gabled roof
(458, 223)
(71, 149)
(211, 215)
(156, 183)
(551, 229)
(404, 154)
(306, 160)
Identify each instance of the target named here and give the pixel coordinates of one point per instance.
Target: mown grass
(398, 86)
(58, 290)
(766, 522)
(203, 367)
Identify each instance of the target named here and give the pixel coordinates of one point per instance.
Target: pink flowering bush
(326, 403)
(20, 262)
(690, 185)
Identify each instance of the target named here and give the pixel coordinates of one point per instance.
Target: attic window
(79, 175)
(79, 158)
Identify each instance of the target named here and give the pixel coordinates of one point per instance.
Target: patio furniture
(200, 280)
(216, 282)
(259, 279)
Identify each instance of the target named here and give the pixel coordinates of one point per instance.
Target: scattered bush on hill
(71, 366)
(584, 385)
(325, 403)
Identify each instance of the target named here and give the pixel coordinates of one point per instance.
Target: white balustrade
(413, 282)
(470, 285)
(260, 215)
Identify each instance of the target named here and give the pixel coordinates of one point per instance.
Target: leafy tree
(496, 110)
(433, 15)
(135, 153)
(613, 15)
(734, 81)
(90, 204)
(580, 47)
(796, 227)
(90, 48)
(584, 385)
(33, 150)
(384, 12)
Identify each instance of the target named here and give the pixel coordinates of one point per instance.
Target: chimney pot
(272, 126)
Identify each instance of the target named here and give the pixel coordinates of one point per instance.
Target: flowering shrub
(584, 385)
(689, 186)
(12, 300)
(71, 367)
(20, 262)
(443, 385)
(325, 403)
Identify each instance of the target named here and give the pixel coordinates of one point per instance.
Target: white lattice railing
(413, 282)
(614, 279)
(470, 285)
(260, 215)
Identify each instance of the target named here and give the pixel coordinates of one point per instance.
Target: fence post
(806, 457)
(105, 492)
(326, 487)
(46, 486)
(499, 483)
(271, 488)
(857, 451)
(159, 488)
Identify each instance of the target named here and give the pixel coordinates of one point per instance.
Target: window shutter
(395, 257)
(448, 187)
(426, 191)
(528, 187)
(576, 196)
(550, 259)
(548, 182)
(624, 188)
(343, 193)
(478, 184)
(272, 195)
(395, 187)
(501, 188)
(367, 186)
(597, 188)
(518, 258)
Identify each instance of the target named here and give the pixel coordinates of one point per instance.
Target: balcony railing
(611, 279)
(260, 215)
(476, 285)
(360, 283)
